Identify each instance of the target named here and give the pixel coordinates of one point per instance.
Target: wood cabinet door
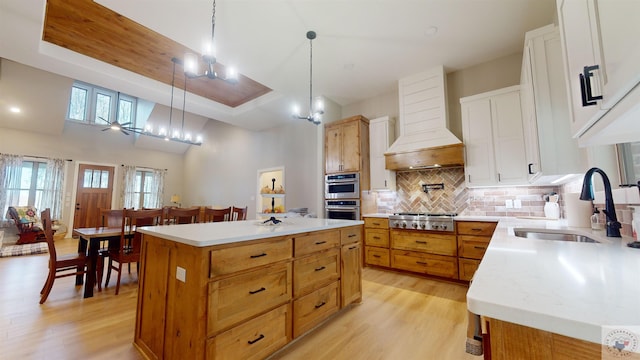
(351, 274)
(351, 146)
(333, 149)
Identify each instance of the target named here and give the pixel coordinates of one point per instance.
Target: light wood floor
(401, 317)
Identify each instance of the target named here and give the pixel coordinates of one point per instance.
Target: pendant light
(315, 113)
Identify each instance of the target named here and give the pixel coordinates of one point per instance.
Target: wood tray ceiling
(91, 29)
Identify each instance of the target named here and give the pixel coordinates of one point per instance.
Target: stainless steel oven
(342, 186)
(342, 209)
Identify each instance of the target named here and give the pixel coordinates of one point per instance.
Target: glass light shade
(319, 105)
(162, 131)
(191, 63)
(199, 138)
(207, 48)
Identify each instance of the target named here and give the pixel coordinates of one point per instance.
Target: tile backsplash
(457, 198)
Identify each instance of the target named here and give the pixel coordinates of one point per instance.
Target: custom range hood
(425, 141)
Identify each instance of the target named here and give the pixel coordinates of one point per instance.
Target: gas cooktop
(422, 221)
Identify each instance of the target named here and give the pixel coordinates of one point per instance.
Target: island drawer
(437, 265)
(376, 237)
(313, 272)
(374, 222)
(376, 256)
(476, 228)
(310, 310)
(351, 235)
(472, 247)
(233, 259)
(255, 339)
(422, 241)
(237, 298)
(310, 243)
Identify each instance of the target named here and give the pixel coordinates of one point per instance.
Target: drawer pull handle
(421, 263)
(377, 237)
(376, 256)
(320, 268)
(257, 256)
(257, 291)
(353, 247)
(480, 247)
(352, 235)
(320, 305)
(251, 342)
(376, 223)
(421, 242)
(476, 229)
(320, 242)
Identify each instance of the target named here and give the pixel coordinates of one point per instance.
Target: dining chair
(215, 215)
(59, 265)
(238, 213)
(130, 240)
(183, 215)
(111, 218)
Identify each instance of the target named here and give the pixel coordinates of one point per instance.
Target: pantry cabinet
(493, 138)
(545, 109)
(604, 34)
(347, 146)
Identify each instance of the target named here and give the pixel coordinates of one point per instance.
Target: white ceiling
(363, 46)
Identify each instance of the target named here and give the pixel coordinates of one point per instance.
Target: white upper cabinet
(493, 138)
(545, 109)
(601, 42)
(381, 135)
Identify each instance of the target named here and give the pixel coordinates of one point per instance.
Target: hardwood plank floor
(401, 317)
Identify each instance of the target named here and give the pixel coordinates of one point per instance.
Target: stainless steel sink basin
(544, 234)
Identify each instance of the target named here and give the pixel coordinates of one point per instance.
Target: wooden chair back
(215, 215)
(183, 215)
(47, 229)
(130, 240)
(110, 218)
(238, 213)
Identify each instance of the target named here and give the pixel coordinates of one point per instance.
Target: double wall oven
(342, 196)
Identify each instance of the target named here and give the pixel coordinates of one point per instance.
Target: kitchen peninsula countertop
(225, 232)
(568, 288)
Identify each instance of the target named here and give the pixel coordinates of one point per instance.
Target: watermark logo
(620, 342)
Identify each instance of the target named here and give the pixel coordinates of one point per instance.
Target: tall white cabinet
(493, 138)
(603, 33)
(381, 136)
(545, 109)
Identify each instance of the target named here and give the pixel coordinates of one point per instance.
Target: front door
(93, 192)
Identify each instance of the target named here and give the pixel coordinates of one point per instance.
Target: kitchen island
(242, 289)
(548, 299)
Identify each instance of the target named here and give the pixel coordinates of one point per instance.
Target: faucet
(613, 225)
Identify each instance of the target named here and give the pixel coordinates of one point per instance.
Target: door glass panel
(104, 179)
(95, 182)
(86, 181)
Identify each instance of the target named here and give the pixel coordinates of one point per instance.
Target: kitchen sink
(546, 234)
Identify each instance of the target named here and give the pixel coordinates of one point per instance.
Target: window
(95, 179)
(31, 183)
(94, 105)
(629, 158)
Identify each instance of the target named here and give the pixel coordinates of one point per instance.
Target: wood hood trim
(440, 156)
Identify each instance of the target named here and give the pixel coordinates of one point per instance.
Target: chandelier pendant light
(315, 114)
(191, 60)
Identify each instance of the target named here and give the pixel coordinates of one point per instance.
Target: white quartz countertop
(225, 232)
(569, 288)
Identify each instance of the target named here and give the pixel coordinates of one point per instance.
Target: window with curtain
(26, 182)
(143, 188)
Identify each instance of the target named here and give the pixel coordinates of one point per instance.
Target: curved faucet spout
(612, 226)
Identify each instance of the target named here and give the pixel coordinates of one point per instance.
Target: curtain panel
(52, 189)
(10, 173)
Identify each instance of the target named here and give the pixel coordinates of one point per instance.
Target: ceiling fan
(117, 126)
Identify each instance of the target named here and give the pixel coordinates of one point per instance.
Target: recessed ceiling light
(15, 109)
(431, 30)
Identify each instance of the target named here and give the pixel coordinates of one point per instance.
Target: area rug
(25, 249)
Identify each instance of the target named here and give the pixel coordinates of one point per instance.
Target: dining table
(91, 237)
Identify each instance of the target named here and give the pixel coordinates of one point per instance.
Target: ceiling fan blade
(105, 120)
(105, 129)
(124, 132)
(125, 124)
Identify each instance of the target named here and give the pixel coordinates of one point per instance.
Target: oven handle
(342, 208)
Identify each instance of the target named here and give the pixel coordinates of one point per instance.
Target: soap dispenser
(595, 220)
